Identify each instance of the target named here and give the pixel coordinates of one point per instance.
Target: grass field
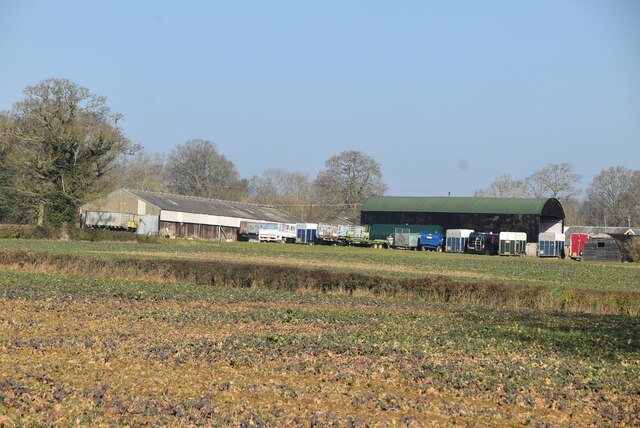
(548, 272)
(84, 349)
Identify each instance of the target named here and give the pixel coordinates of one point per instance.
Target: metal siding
(119, 201)
(108, 219)
(182, 217)
(197, 231)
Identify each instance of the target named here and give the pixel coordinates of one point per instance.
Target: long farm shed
(529, 215)
(177, 215)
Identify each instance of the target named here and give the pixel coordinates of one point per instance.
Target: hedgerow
(273, 277)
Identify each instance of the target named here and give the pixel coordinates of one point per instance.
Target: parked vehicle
(382, 231)
(306, 233)
(341, 234)
(483, 243)
(578, 240)
(283, 232)
(513, 244)
(266, 232)
(417, 241)
(551, 244)
(457, 240)
(355, 235)
(250, 230)
(328, 234)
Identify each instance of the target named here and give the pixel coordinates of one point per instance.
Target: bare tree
(64, 141)
(291, 191)
(267, 188)
(553, 181)
(613, 198)
(197, 168)
(503, 187)
(144, 172)
(349, 179)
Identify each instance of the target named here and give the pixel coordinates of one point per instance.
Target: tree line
(612, 198)
(61, 146)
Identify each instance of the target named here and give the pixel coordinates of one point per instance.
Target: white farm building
(152, 213)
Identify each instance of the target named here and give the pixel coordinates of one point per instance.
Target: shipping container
(513, 244)
(578, 240)
(457, 240)
(551, 244)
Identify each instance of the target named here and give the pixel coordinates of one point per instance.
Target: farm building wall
(528, 223)
(120, 202)
(198, 231)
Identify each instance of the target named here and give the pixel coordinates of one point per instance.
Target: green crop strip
(551, 273)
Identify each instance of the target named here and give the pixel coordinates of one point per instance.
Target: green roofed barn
(530, 215)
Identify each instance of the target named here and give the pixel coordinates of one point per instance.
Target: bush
(633, 249)
(24, 231)
(27, 231)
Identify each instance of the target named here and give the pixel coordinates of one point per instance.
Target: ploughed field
(88, 349)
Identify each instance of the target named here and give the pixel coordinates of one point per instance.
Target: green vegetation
(552, 273)
(103, 351)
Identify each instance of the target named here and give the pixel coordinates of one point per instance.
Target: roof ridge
(199, 198)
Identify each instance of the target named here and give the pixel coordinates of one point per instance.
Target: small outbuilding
(604, 247)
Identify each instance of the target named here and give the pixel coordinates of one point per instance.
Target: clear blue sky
(446, 95)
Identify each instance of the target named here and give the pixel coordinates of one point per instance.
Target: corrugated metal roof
(195, 205)
(593, 230)
(456, 205)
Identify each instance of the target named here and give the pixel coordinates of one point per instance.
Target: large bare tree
(197, 168)
(613, 198)
(291, 191)
(349, 179)
(63, 140)
(144, 171)
(553, 181)
(503, 187)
